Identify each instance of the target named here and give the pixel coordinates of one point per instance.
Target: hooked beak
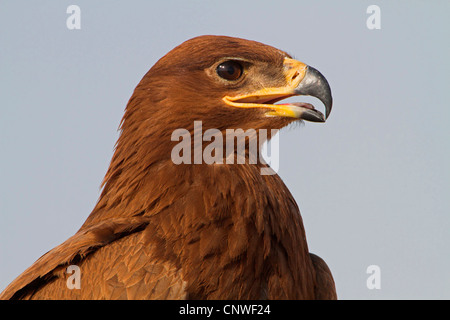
(301, 80)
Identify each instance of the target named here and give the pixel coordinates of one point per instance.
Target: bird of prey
(165, 230)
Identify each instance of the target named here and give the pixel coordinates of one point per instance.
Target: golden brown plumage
(194, 231)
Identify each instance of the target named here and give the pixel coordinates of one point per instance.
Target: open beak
(301, 80)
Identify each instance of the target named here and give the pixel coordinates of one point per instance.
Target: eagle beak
(314, 84)
(301, 79)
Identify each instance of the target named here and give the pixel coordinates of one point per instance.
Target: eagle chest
(234, 240)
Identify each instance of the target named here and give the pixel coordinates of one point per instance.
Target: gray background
(372, 183)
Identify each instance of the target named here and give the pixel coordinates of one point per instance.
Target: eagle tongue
(311, 114)
(299, 104)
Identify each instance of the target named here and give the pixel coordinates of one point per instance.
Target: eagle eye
(230, 70)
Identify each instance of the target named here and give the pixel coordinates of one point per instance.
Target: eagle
(195, 230)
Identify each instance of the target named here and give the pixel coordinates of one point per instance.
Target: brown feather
(166, 231)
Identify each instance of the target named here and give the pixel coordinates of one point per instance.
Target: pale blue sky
(372, 183)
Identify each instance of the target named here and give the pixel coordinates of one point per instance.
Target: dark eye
(230, 70)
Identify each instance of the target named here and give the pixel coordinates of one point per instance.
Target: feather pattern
(188, 231)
